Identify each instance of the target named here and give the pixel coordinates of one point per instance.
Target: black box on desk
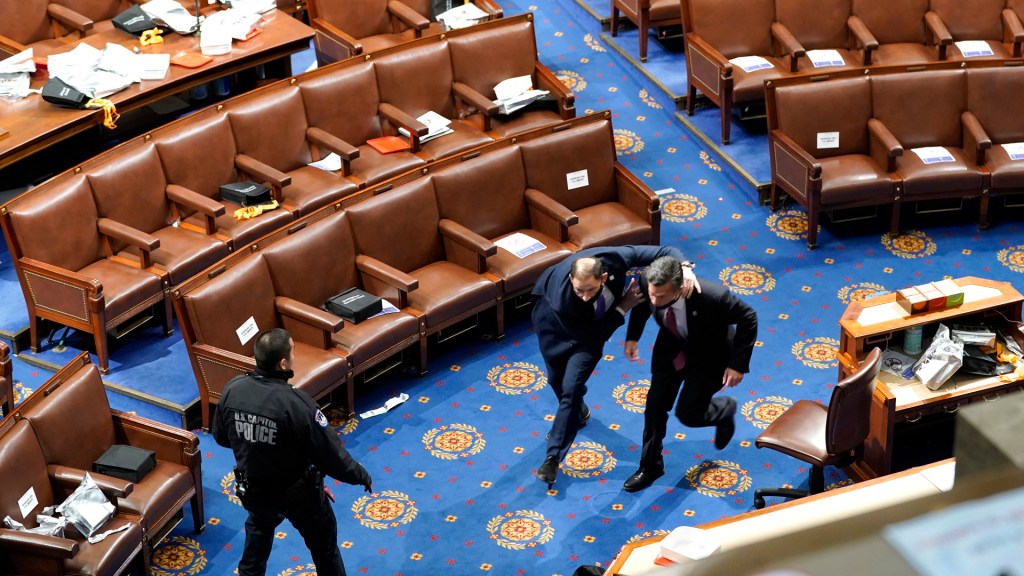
(125, 462)
(988, 435)
(246, 193)
(354, 305)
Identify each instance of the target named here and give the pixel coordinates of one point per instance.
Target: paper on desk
(973, 48)
(520, 245)
(822, 58)
(933, 154)
(751, 63)
(20, 62)
(15, 85)
(120, 60)
(979, 537)
(391, 403)
(173, 14)
(898, 364)
(330, 163)
(152, 66)
(234, 22)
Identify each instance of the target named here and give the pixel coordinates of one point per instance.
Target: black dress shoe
(548, 470)
(725, 430)
(642, 479)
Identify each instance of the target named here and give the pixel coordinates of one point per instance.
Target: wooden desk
(33, 124)
(881, 322)
(637, 558)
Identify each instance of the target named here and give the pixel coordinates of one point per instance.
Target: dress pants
(696, 406)
(312, 516)
(567, 375)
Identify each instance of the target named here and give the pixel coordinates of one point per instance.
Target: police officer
(283, 445)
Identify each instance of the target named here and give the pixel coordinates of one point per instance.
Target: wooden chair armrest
(70, 478)
(790, 45)
(491, 7)
(863, 36)
(195, 201)
(10, 46)
(463, 236)
(91, 285)
(401, 119)
(278, 180)
(332, 143)
(470, 96)
(307, 314)
(1014, 29)
(29, 544)
(884, 147)
(127, 234)
(408, 16)
(976, 140)
(695, 42)
(635, 194)
(338, 35)
(385, 273)
(939, 31)
(550, 207)
(230, 359)
(171, 444)
(809, 163)
(69, 17)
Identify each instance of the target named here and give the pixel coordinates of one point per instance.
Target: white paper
(751, 63)
(15, 85)
(973, 48)
(1015, 150)
(822, 58)
(391, 403)
(385, 308)
(152, 66)
(520, 101)
(512, 87)
(436, 124)
(173, 14)
(20, 62)
(933, 154)
(519, 244)
(462, 16)
(689, 543)
(982, 536)
(93, 72)
(97, 538)
(330, 163)
(577, 179)
(828, 140)
(247, 330)
(898, 363)
(82, 57)
(28, 502)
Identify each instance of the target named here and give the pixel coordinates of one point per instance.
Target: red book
(388, 144)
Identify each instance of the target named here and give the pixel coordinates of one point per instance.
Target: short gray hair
(665, 270)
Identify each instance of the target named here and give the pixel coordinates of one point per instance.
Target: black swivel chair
(824, 436)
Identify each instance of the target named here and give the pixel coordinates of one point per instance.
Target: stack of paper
(93, 72)
(462, 17)
(515, 93)
(15, 75)
(436, 124)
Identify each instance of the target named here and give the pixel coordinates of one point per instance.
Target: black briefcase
(354, 305)
(246, 193)
(134, 21)
(125, 462)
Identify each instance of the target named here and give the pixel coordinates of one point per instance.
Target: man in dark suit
(580, 302)
(695, 345)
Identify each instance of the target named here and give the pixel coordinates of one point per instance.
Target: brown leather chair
(404, 85)
(26, 469)
(890, 33)
(951, 21)
(1013, 29)
(717, 31)
(803, 25)
(130, 189)
(995, 106)
(448, 266)
(910, 115)
(6, 379)
(359, 120)
(614, 207)
(67, 269)
(646, 14)
(76, 394)
(487, 54)
(824, 436)
(198, 155)
(856, 172)
(320, 262)
(41, 25)
(345, 28)
(275, 144)
(209, 317)
(488, 196)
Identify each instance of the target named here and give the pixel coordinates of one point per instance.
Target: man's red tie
(670, 322)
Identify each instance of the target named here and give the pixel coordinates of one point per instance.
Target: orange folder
(190, 59)
(388, 144)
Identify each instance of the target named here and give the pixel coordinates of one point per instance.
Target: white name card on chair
(577, 179)
(247, 330)
(823, 58)
(973, 48)
(828, 140)
(933, 154)
(1015, 150)
(750, 63)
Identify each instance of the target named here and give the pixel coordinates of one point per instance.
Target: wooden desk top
(33, 124)
(637, 558)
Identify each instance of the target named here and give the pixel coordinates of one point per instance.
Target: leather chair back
(482, 59)
(22, 459)
(272, 129)
(894, 21)
(215, 313)
(485, 194)
(325, 250)
(844, 106)
(199, 155)
(357, 18)
(411, 211)
(908, 106)
(138, 169)
(993, 95)
(817, 24)
(357, 120)
(589, 148)
(97, 10)
(25, 21)
(734, 27)
(974, 20)
(849, 410)
(66, 238)
(402, 82)
(80, 399)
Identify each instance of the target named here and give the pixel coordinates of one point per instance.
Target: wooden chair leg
(615, 20)
(645, 23)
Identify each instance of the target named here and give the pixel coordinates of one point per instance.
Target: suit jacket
(563, 320)
(710, 346)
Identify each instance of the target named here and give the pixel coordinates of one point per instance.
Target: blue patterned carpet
(452, 466)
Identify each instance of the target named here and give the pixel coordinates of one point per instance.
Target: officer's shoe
(642, 478)
(725, 430)
(548, 470)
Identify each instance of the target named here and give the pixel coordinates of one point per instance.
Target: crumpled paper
(87, 509)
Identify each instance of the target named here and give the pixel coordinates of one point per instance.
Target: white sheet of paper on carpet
(520, 244)
(751, 63)
(933, 154)
(822, 58)
(973, 48)
(1015, 150)
(391, 403)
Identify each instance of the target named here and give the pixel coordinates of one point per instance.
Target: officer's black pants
(313, 518)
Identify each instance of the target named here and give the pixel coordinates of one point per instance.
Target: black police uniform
(283, 445)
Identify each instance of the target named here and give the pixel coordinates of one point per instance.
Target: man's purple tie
(600, 306)
(670, 322)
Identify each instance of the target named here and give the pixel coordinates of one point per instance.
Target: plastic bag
(87, 509)
(47, 525)
(943, 357)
